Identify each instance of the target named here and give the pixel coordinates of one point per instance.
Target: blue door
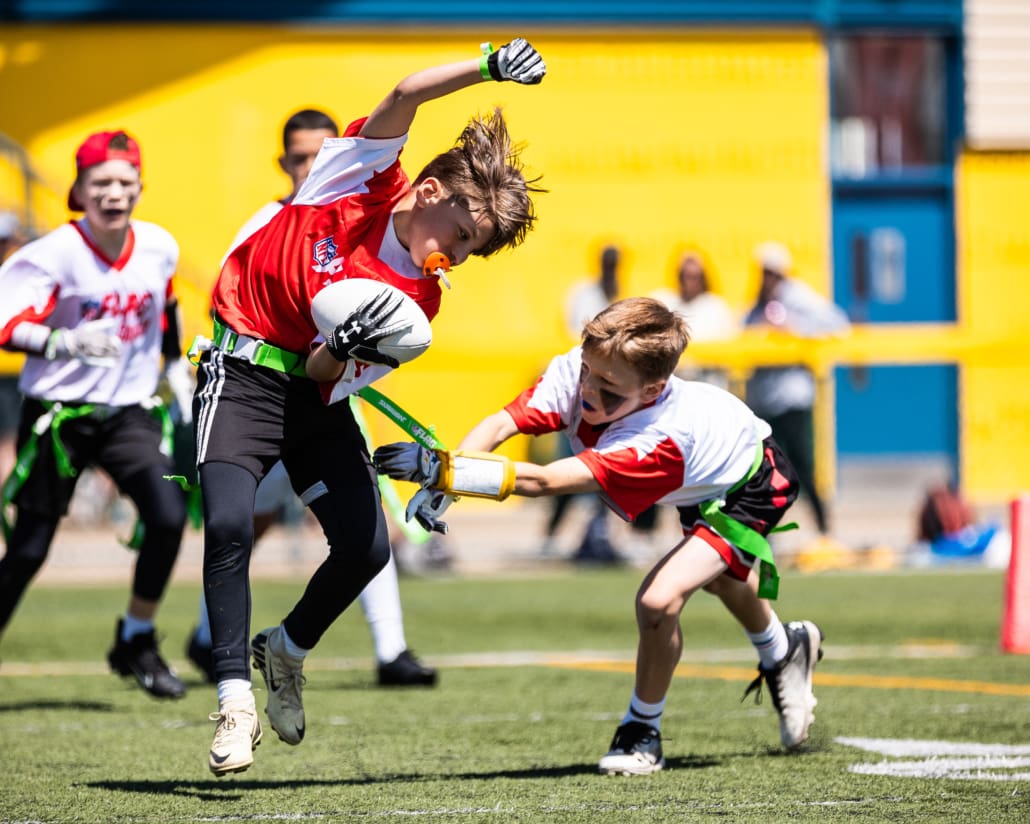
(893, 253)
(894, 119)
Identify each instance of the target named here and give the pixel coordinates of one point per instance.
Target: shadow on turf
(221, 790)
(88, 706)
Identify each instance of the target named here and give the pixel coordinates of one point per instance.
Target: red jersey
(333, 229)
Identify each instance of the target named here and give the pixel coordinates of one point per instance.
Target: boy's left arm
(516, 60)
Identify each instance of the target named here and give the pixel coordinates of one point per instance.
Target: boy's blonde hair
(484, 171)
(644, 332)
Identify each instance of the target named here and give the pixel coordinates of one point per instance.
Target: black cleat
(636, 750)
(139, 657)
(406, 671)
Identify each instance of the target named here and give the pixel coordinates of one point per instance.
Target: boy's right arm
(517, 61)
(490, 433)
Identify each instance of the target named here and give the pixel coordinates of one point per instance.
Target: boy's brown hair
(484, 172)
(644, 332)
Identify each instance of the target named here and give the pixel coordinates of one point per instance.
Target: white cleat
(237, 734)
(790, 682)
(284, 680)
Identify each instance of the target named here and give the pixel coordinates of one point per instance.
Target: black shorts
(251, 416)
(759, 504)
(122, 441)
(10, 405)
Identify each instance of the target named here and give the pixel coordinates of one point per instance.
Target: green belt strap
(54, 417)
(267, 355)
(391, 500)
(746, 538)
(424, 435)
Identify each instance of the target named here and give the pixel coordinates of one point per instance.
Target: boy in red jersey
(396, 665)
(642, 436)
(356, 215)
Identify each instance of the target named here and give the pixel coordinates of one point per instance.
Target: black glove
(356, 337)
(407, 462)
(426, 507)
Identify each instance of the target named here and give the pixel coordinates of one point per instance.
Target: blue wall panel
(941, 13)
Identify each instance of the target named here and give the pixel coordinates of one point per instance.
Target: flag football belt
(53, 418)
(744, 537)
(257, 351)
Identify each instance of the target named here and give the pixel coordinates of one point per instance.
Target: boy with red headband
(91, 304)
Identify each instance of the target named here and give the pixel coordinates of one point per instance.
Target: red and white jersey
(333, 229)
(692, 444)
(63, 279)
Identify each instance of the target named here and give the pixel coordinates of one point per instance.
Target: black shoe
(139, 657)
(406, 671)
(636, 750)
(201, 658)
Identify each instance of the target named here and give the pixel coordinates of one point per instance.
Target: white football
(337, 301)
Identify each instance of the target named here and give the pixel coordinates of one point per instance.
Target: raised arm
(516, 60)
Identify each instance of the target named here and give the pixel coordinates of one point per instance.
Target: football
(337, 301)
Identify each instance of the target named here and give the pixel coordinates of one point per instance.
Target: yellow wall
(994, 290)
(653, 141)
(650, 141)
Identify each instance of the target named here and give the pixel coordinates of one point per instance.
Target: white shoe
(237, 734)
(284, 681)
(790, 682)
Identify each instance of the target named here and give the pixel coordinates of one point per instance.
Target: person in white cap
(785, 395)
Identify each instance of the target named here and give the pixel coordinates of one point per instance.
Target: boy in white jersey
(356, 215)
(397, 666)
(643, 436)
(92, 306)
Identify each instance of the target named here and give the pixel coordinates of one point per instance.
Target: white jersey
(63, 279)
(692, 444)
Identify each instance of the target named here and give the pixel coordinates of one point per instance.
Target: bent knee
(654, 607)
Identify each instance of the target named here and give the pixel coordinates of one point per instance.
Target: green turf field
(920, 717)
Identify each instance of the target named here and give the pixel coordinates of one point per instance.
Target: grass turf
(511, 737)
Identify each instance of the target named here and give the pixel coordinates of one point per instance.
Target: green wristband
(484, 61)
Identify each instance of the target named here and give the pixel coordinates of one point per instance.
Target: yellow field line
(883, 682)
(565, 661)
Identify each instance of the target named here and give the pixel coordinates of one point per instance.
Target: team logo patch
(324, 254)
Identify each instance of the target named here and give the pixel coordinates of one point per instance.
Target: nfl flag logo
(325, 252)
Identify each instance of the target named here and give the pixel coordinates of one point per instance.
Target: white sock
(132, 627)
(771, 644)
(202, 635)
(381, 603)
(645, 713)
(233, 689)
(291, 648)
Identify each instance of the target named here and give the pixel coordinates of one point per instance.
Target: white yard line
(529, 658)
